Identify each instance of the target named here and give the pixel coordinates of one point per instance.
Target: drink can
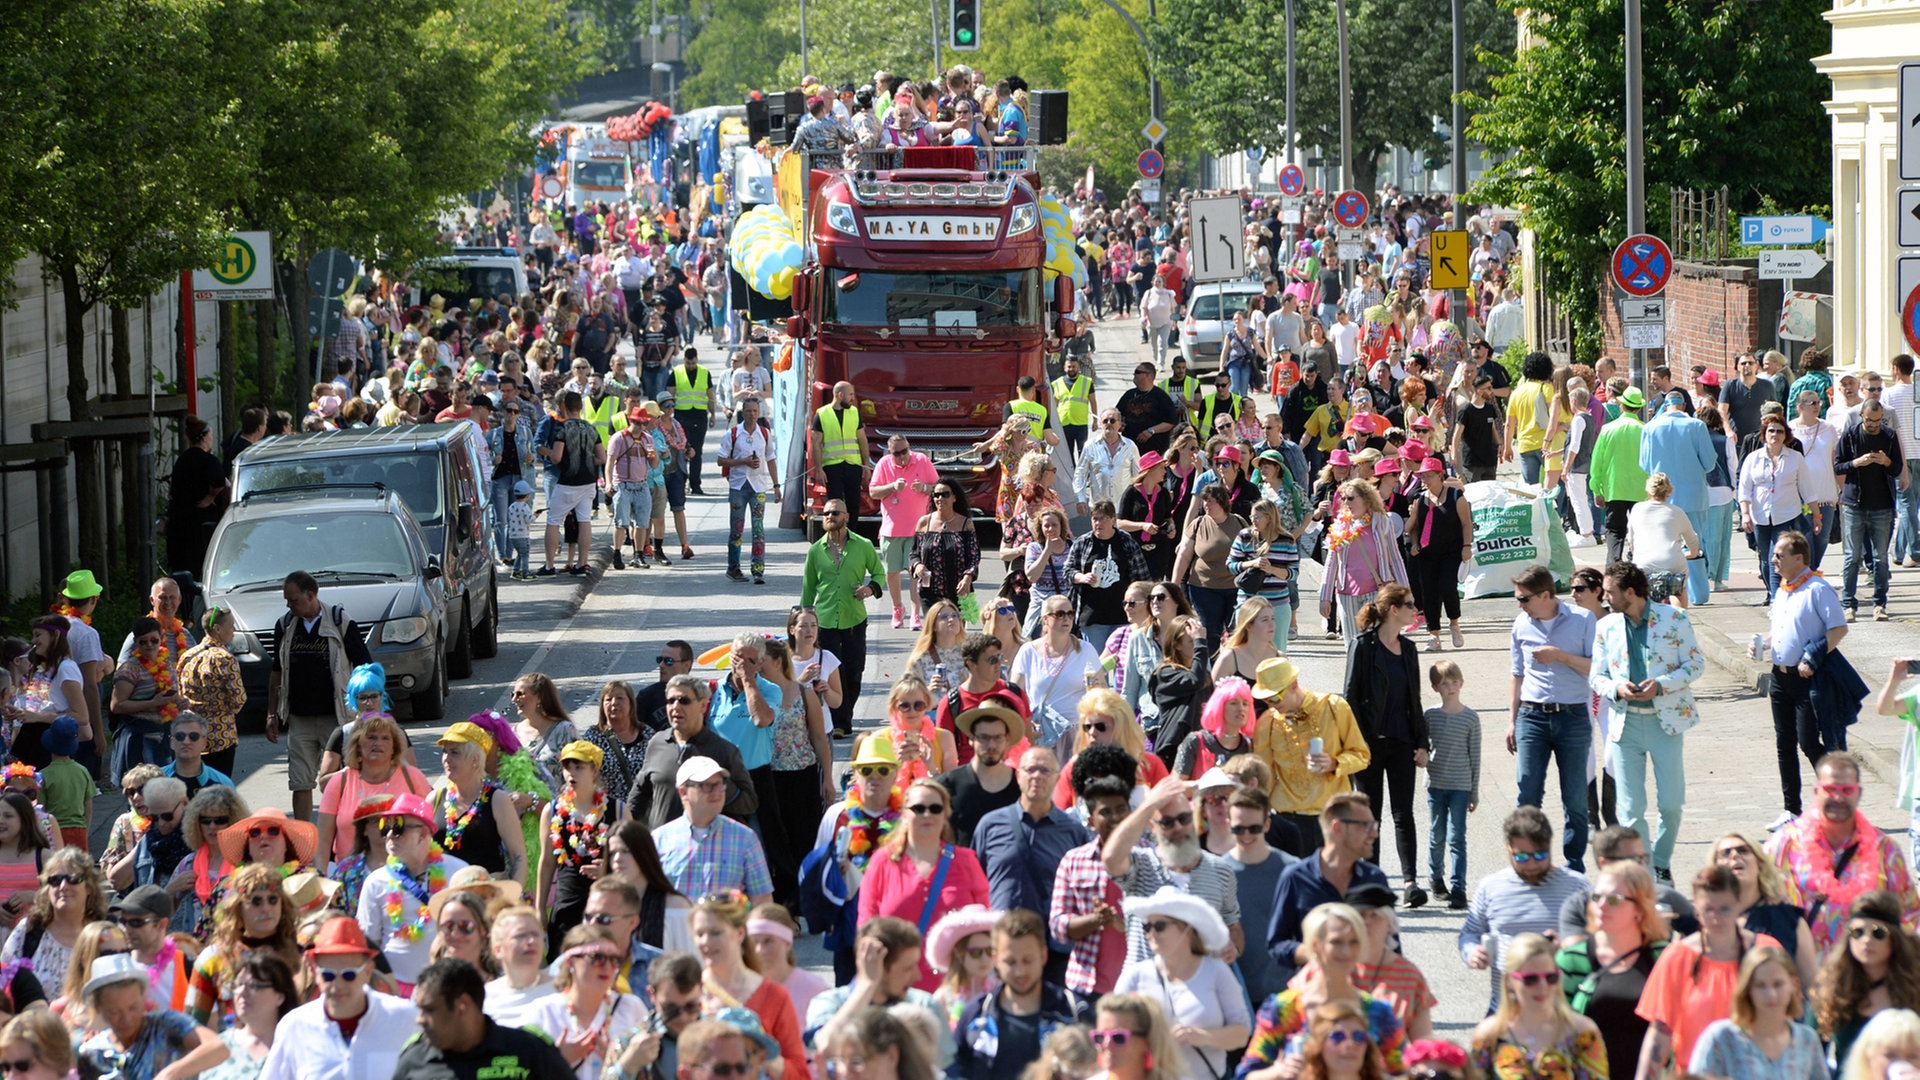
(1755, 645)
(1316, 745)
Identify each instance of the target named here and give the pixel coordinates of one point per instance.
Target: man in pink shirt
(903, 485)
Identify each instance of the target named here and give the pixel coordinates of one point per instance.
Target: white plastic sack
(1514, 527)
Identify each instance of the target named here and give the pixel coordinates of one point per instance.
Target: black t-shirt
(1104, 605)
(1142, 409)
(1873, 479)
(1480, 434)
(1330, 285)
(1019, 1043)
(503, 1052)
(310, 688)
(971, 801)
(595, 335)
(576, 463)
(650, 705)
(509, 463)
(653, 346)
(1492, 370)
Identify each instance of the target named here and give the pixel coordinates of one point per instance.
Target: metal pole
(933, 17)
(1153, 80)
(1636, 159)
(1292, 142)
(1346, 102)
(803, 37)
(1457, 304)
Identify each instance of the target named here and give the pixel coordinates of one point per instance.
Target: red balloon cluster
(641, 125)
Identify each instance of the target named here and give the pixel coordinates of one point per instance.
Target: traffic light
(963, 24)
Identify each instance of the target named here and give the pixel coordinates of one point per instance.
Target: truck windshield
(349, 545)
(415, 477)
(935, 300)
(600, 174)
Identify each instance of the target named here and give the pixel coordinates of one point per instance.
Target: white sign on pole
(1643, 309)
(1788, 265)
(1352, 252)
(1291, 212)
(244, 270)
(1909, 217)
(1216, 254)
(1645, 335)
(1150, 190)
(1909, 141)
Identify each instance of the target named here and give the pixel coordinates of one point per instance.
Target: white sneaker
(1780, 822)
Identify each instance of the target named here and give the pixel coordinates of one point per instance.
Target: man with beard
(1524, 898)
(986, 783)
(1833, 842)
(1176, 858)
(1002, 1033)
(1020, 845)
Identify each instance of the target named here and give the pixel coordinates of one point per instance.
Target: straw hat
(494, 893)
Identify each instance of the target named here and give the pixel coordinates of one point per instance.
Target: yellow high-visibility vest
(690, 395)
(1033, 410)
(601, 415)
(1207, 406)
(839, 445)
(1070, 401)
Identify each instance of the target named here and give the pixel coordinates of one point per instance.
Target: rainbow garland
(866, 833)
(436, 879)
(577, 841)
(1345, 529)
(457, 823)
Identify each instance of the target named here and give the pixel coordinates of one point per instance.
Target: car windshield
(347, 546)
(938, 301)
(600, 174)
(415, 477)
(1205, 306)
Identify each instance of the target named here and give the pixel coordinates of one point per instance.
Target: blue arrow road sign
(1786, 229)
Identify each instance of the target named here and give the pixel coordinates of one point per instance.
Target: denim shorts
(632, 505)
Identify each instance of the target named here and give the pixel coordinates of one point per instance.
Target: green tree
(1743, 111)
(734, 52)
(1232, 57)
(608, 28)
(848, 40)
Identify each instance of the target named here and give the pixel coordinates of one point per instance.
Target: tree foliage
(1743, 110)
(737, 47)
(1232, 56)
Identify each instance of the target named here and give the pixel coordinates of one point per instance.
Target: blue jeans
(1818, 539)
(1565, 733)
(1642, 739)
(502, 498)
(1906, 519)
(1096, 634)
(655, 380)
(522, 547)
(741, 502)
(1448, 833)
(1718, 540)
(1867, 528)
(1328, 315)
(1763, 538)
(1532, 463)
(1241, 374)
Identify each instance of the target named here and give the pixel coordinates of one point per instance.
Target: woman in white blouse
(1774, 481)
(1817, 440)
(1660, 540)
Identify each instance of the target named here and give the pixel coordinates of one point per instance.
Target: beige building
(1871, 39)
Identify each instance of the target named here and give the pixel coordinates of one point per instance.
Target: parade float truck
(932, 280)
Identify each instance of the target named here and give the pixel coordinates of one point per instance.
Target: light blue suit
(1677, 444)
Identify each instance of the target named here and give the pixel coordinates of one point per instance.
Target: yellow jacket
(1281, 742)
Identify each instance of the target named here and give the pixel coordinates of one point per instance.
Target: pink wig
(1231, 688)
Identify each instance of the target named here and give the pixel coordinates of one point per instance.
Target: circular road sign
(1292, 180)
(1910, 318)
(1350, 209)
(1641, 265)
(236, 262)
(551, 187)
(1151, 163)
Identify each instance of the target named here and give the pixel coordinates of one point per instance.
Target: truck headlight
(1023, 219)
(403, 631)
(840, 218)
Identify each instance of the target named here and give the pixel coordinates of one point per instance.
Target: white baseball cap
(697, 771)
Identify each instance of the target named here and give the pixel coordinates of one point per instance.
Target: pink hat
(955, 927)
(1386, 467)
(1361, 422)
(411, 805)
(1710, 377)
(1414, 450)
(1432, 464)
(1423, 423)
(1340, 457)
(1151, 458)
(1229, 453)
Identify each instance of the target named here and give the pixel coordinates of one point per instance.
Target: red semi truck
(924, 289)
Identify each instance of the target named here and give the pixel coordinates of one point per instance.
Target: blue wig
(366, 679)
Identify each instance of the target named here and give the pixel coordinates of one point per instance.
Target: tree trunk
(266, 359)
(229, 370)
(86, 453)
(298, 298)
(132, 527)
(122, 350)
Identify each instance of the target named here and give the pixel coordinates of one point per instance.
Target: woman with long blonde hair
(1604, 972)
(1103, 717)
(1133, 1040)
(254, 916)
(1763, 1037)
(920, 850)
(1534, 1029)
(1255, 629)
(935, 656)
(730, 972)
(1763, 906)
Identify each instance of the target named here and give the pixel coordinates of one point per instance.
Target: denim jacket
(522, 445)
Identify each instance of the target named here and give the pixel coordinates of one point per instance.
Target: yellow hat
(467, 732)
(582, 750)
(877, 750)
(1273, 677)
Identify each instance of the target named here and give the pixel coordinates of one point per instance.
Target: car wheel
(486, 636)
(459, 662)
(430, 702)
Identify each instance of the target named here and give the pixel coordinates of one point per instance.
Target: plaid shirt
(724, 855)
(1082, 882)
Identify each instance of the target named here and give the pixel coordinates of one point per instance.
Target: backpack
(283, 629)
(733, 435)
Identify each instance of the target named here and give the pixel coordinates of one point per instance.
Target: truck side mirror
(796, 326)
(1063, 295)
(803, 294)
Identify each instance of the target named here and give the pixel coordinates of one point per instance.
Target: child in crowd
(520, 528)
(1453, 779)
(68, 785)
(24, 779)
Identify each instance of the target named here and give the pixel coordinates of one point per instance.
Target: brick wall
(1713, 312)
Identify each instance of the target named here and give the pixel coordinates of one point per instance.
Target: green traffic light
(966, 36)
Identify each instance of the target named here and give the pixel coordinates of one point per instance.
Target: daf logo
(931, 404)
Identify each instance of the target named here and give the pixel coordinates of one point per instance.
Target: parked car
(364, 547)
(1205, 326)
(437, 470)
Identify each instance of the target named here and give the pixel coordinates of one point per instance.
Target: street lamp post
(1457, 303)
(673, 84)
(1153, 80)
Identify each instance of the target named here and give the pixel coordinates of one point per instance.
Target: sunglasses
(667, 660)
(1737, 851)
(1529, 856)
(259, 831)
(943, 494)
(348, 975)
(979, 952)
(1131, 603)
(1175, 821)
(1114, 1038)
(601, 918)
(135, 922)
(881, 771)
(129, 793)
(1338, 1037)
(188, 736)
(1532, 979)
(1099, 726)
(395, 826)
(928, 809)
(1248, 830)
(55, 881)
(1522, 598)
(264, 900)
(1876, 932)
(1612, 899)
(669, 1012)
(730, 1068)
(914, 706)
(835, 514)
(15, 1067)
(682, 700)
(215, 820)
(1840, 791)
(602, 959)
(1159, 926)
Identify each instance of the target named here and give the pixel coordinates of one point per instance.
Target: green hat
(1632, 399)
(81, 586)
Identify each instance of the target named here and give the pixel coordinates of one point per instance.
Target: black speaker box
(1048, 124)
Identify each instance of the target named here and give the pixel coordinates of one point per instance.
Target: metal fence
(1697, 224)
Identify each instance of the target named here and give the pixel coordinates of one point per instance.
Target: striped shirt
(1455, 761)
(1210, 880)
(1504, 907)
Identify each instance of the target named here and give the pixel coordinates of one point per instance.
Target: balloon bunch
(641, 125)
(1063, 257)
(1449, 345)
(765, 248)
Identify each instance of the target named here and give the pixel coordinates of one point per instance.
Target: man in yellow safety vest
(1074, 402)
(838, 449)
(1222, 402)
(1026, 402)
(694, 405)
(1183, 388)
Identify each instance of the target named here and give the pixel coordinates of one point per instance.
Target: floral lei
(1820, 879)
(173, 643)
(457, 824)
(1346, 528)
(865, 832)
(578, 840)
(162, 673)
(436, 879)
(71, 612)
(1511, 1061)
